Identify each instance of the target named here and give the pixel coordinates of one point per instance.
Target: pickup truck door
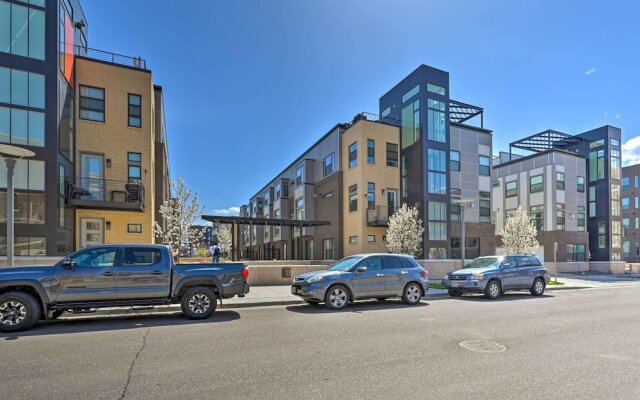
(144, 273)
(90, 277)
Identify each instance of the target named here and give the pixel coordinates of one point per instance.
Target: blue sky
(249, 85)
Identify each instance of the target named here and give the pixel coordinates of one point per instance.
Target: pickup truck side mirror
(361, 269)
(67, 263)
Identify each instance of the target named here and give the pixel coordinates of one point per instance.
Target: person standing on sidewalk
(215, 253)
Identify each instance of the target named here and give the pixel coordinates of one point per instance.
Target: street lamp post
(463, 202)
(11, 155)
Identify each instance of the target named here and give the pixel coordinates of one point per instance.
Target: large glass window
(437, 168)
(410, 131)
(404, 175)
(437, 220)
(436, 89)
(576, 252)
(616, 234)
(353, 155)
(602, 234)
(536, 184)
(371, 151)
(625, 183)
(596, 165)
(485, 166)
(615, 164)
(21, 88)
(537, 215)
(436, 121)
(592, 201)
(392, 155)
(414, 91)
(22, 30)
(454, 160)
(511, 189)
(371, 196)
(92, 103)
(615, 199)
(327, 164)
(135, 110)
(353, 198)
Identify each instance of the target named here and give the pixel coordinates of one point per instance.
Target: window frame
(353, 155)
(391, 162)
(371, 151)
(129, 230)
(484, 170)
(103, 100)
(129, 108)
(539, 186)
(454, 165)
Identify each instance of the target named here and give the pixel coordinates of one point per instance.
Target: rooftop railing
(114, 58)
(375, 118)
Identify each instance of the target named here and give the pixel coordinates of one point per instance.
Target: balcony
(113, 58)
(105, 194)
(379, 216)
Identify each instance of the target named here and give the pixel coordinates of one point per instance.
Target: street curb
(569, 287)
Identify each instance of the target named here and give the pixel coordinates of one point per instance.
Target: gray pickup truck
(115, 276)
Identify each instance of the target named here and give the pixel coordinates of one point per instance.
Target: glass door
(92, 175)
(392, 201)
(92, 232)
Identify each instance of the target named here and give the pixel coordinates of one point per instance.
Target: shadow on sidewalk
(356, 307)
(112, 323)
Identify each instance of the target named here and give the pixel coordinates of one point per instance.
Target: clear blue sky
(249, 85)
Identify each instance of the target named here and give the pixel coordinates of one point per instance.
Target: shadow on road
(119, 322)
(357, 307)
(509, 296)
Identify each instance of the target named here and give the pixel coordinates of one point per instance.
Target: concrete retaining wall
(31, 260)
(438, 269)
(635, 268)
(567, 267)
(608, 267)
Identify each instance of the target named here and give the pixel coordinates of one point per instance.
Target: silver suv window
(393, 262)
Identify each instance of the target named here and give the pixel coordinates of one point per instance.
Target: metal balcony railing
(379, 216)
(375, 118)
(114, 58)
(105, 194)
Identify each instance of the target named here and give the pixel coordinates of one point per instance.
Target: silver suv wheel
(338, 297)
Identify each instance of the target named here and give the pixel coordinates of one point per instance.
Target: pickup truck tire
(537, 289)
(198, 302)
(18, 311)
(493, 290)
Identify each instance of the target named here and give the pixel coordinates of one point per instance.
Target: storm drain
(483, 346)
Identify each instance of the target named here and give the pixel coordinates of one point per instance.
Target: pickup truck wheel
(18, 311)
(455, 293)
(411, 294)
(198, 302)
(337, 297)
(537, 289)
(493, 290)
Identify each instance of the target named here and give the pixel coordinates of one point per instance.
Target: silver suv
(493, 275)
(364, 276)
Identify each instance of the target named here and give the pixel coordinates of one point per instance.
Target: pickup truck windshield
(484, 262)
(345, 264)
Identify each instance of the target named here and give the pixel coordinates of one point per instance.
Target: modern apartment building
(550, 185)
(445, 157)
(631, 213)
(89, 118)
(537, 179)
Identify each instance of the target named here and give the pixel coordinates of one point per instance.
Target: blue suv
(493, 275)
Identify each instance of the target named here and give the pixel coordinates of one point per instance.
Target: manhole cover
(483, 346)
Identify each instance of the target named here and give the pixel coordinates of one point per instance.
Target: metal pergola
(545, 140)
(237, 221)
(460, 112)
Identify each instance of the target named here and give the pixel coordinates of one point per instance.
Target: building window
(371, 196)
(581, 219)
(625, 203)
(278, 190)
(25, 246)
(135, 110)
(602, 234)
(327, 249)
(485, 166)
(437, 253)
(22, 30)
(455, 209)
(135, 160)
(327, 164)
(625, 248)
(91, 103)
(353, 198)
(615, 199)
(537, 215)
(637, 203)
(625, 224)
(437, 168)
(22, 88)
(24, 125)
(134, 228)
(353, 155)
(625, 183)
(637, 248)
(454, 159)
(299, 211)
(580, 183)
(536, 184)
(596, 165)
(371, 151)
(392, 155)
(560, 220)
(485, 211)
(636, 181)
(615, 142)
(300, 175)
(615, 164)
(371, 238)
(576, 252)
(353, 240)
(386, 112)
(436, 121)
(410, 130)
(616, 234)
(560, 180)
(437, 220)
(511, 189)
(436, 89)
(592, 201)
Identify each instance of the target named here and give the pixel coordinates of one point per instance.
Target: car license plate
(294, 290)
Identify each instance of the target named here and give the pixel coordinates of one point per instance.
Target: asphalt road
(572, 344)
